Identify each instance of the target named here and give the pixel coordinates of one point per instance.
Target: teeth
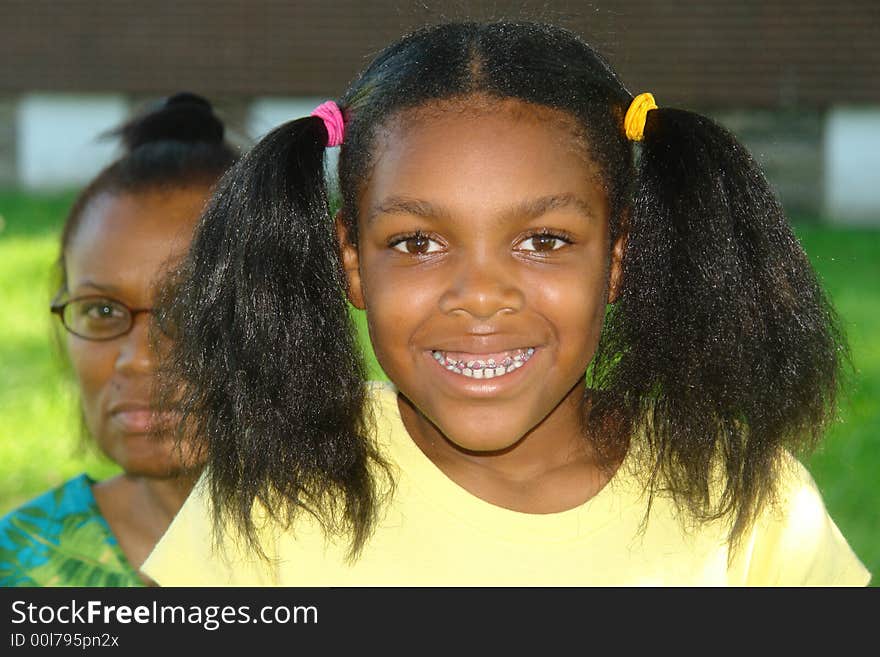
(488, 369)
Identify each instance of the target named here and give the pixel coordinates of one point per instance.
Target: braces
(480, 369)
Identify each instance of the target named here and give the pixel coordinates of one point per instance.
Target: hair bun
(184, 117)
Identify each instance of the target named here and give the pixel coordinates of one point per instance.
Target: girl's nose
(135, 353)
(482, 287)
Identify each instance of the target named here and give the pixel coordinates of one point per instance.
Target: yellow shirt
(435, 533)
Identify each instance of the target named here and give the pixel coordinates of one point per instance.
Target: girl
(124, 226)
(511, 220)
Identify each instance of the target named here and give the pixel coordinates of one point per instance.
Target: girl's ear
(350, 263)
(615, 277)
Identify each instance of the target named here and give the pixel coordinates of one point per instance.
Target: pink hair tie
(332, 118)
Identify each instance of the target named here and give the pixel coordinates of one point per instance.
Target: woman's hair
(720, 350)
(176, 144)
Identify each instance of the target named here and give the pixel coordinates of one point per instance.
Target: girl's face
(122, 246)
(483, 266)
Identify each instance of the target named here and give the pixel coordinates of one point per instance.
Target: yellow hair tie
(634, 121)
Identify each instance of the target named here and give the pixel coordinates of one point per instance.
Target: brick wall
(788, 146)
(8, 172)
(752, 53)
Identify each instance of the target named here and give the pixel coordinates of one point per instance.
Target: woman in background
(125, 229)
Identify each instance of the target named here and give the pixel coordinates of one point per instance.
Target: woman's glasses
(97, 317)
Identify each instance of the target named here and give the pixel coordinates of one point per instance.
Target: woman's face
(121, 248)
(483, 265)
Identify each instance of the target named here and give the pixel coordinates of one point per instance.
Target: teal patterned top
(61, 539)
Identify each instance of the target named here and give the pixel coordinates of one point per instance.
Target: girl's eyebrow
(533, 208)
(530, 208)
(405, 205)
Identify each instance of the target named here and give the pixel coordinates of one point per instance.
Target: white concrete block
(57, 137)
(852, 165)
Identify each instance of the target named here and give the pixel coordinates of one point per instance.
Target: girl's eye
(543, 243)
(417, 244)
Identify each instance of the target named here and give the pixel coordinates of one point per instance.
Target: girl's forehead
(481, 109)
(477, 132)
(468, 162)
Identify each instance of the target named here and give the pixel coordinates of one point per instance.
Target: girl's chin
(477, 442)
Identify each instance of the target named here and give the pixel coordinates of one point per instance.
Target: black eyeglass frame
(58, 309)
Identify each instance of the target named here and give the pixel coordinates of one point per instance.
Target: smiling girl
(604, 341)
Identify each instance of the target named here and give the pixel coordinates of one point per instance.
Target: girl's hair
(175, 144)
(720, 350)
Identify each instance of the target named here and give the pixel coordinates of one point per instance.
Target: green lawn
(39, 434)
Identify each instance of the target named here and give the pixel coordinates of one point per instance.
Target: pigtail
(263, 348)
(725, 342)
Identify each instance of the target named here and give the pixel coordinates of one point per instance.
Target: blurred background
(797, 82)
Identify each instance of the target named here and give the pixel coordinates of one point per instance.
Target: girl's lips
(469, 359)
(494, 365)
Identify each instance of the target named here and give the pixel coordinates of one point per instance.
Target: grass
(39, 431)
(846, 466)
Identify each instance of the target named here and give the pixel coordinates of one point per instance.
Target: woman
(122, 234)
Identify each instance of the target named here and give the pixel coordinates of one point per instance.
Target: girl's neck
(552, 468)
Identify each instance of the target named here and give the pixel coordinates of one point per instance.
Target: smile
(483, 366)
